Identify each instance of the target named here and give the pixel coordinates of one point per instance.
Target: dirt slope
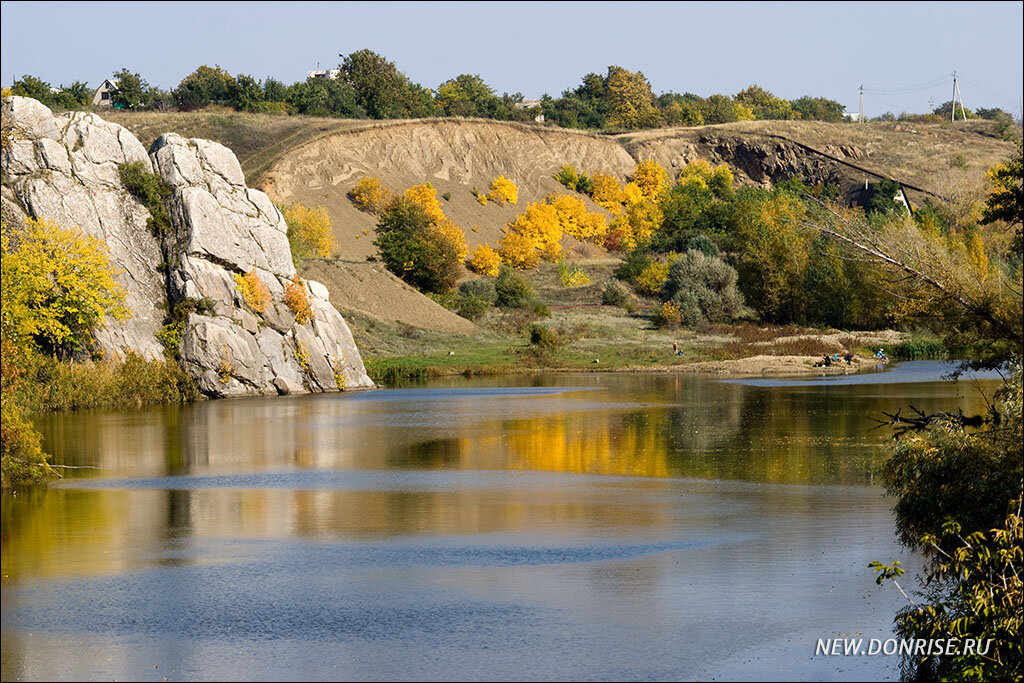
(367, 287)
(455, 156)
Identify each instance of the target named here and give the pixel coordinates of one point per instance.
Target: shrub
(607, 193)
(471, 308)
(703, 244)
(635, 263)
(568, 176)
(254, 293)
(614, 294)
(511, 289)
(447, 196)
(485, 261)
(410, 247)
(369, 195)
(706, 281)
(481, 288)
(309, 232)
(651, 179)
(571, 276)
(481, 197)
(151, 190)
(59, 285)
(668, 316)
(296, 298)
(503, 191)
(652, 278)
(544, 337)
(576, 221)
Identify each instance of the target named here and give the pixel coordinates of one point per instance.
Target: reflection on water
(450, 523)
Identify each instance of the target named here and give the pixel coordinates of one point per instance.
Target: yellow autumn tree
(296, 298)
(576, 221)
(485, 261)
(636, 225)
(59, 285)
(442, 228)
(503, 191)
(309, 232)
(607, 193)
(701, 172)
(519, 251)
(651, 179)
(369, 195)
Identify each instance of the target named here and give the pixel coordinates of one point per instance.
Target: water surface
(560, 526)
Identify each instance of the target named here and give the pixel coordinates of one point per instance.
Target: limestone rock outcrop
(65, 168)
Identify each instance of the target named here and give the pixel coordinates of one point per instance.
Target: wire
(906, 89)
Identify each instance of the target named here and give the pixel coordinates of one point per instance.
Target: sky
(902, 53)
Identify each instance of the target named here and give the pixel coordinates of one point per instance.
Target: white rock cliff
(65, 168)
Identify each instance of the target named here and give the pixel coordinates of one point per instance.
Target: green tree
(249, 94)
(630, 100)
(466, 95)
(381, 90)
(680, 110)
(131, 92)
(274, 90)
(36, 88)
(718, 109)
(818, 109)
(764, 104)
(204, 86)
(404, 239)
(1005, 202)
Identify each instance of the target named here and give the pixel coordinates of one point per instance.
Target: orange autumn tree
(442, 229)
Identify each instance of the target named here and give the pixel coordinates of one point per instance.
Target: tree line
(371, 87)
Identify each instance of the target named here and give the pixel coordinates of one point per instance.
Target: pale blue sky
(902, 52)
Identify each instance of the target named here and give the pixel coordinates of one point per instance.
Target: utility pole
(931, 105)
(860, 115)
(956, 94)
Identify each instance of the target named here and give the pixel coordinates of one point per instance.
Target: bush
(668, 316)
(571, 276)
(485, 261)
(614, 294)
(410, 248)
(652, 278)
(568, 177)
(544, 337)
(703, 244)
(471, 307)
(503, 191)
(708, 282)
(511, 289)
(296, 298)
(151, 191)
(369, 195)
(481, 288)
(632, 266)
(309, 232)
(254, 293)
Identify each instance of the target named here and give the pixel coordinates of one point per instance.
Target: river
(595, 526)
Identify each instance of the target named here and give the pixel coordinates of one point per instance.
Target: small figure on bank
(675, 348)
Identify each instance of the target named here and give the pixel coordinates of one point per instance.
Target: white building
(531, 104)
(101, 98)
(329, 74)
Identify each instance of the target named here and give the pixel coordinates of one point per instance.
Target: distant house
(101, 98)
(531, 104)
(329, 74)
(852, 116)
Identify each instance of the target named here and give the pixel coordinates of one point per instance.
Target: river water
(603, 526)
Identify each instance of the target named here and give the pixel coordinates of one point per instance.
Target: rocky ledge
(65, 168)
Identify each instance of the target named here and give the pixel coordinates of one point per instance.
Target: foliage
(533, 235)
(1005, 201)
(254, 293)
(576, 221)
(614, 294)
(764, 105)
(668, 316)
(503, 191)
(466, 95)
(369, 195)
(296, 298)
(447, 236)
(571, 276)
(630, 101)
(484, 261)
(61, 286)
(651, 179)
(381, 90)
(151, 190)
(544, 337)
(607, 193)
(652, 277)
(410, 248)
(699, 172)
(511, 289)
(818, 109)
(309, 232)
(132, 91)
(959, 503)
(571, 179)
(706, 281)
(206, 85)
(634, 227)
